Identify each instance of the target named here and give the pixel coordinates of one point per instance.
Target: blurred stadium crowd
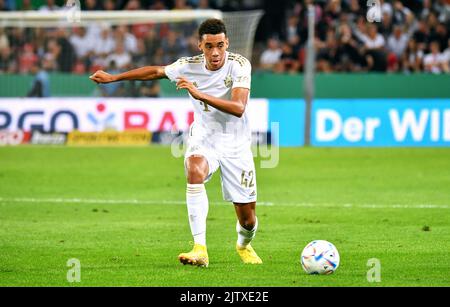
(413, 36)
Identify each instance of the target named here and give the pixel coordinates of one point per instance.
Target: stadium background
(376, 85)
(386, 60)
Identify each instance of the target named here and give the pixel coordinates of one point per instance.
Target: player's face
(213, 47)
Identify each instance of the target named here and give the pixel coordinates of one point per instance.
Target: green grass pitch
(121, 212)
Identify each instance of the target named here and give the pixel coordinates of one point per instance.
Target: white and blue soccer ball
(320, 257)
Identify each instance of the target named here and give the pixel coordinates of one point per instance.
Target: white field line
(182, 202)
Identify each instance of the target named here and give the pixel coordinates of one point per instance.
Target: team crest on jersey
(228, 81)
(195, 84)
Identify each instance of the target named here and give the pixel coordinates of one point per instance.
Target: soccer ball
(320, 257)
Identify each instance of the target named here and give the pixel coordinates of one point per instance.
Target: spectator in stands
(192, 43)
(441, 35)
(173, 48)
(92, 5)
(127, 39)
(26, 5)
(400, 14)
(326, 54)
(150, 89)
(271, 56)
(158, 5)
(443, 9)
(41, 82)
(67, 54)
(347, 55)
(140, 57)
(370, 37)
(104, 45)
(17, 39)
(289, 62)
(422, 33)
(159, 56)
(181, 5)
(204, 5)
(435, 62)
(331, 14)
(386, 8)
(373, 49)
(432, 23)
(447, 52)
(387, 45)
(354, 10)
(27, 59)
(83, 45)
(51, 55)
(109, 5)
(397, 41)
(11, 4)
(51, 6)
(412, 57)
(386, 26)
(152, 44)
(112, 89)
(3, 6)
(292, 27)
(426, 9)
(133, 5)
(121, 58)
(80, 42)
(4, 40)
(7, 60)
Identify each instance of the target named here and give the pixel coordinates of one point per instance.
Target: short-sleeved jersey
(228, 134)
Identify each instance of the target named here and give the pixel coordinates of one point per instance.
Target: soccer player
(218, 83)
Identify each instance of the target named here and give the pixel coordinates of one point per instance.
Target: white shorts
(237, 174)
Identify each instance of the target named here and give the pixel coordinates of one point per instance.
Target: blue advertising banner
(381, 122)
(287, 121)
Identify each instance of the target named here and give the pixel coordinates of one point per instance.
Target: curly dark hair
(211, 26)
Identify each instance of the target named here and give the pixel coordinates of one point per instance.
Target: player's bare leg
(246, 228)
(197, 204)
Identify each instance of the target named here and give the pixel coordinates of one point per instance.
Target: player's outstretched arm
(143, 73)
(235, 106)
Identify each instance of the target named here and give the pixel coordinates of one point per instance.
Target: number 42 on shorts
(245, 182)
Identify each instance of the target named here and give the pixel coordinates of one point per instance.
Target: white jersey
(227, 134)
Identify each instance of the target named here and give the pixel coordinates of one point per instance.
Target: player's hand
(102, 77)
(183, 83)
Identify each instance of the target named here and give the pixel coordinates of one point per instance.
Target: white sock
(197, 205)
(245, 236)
